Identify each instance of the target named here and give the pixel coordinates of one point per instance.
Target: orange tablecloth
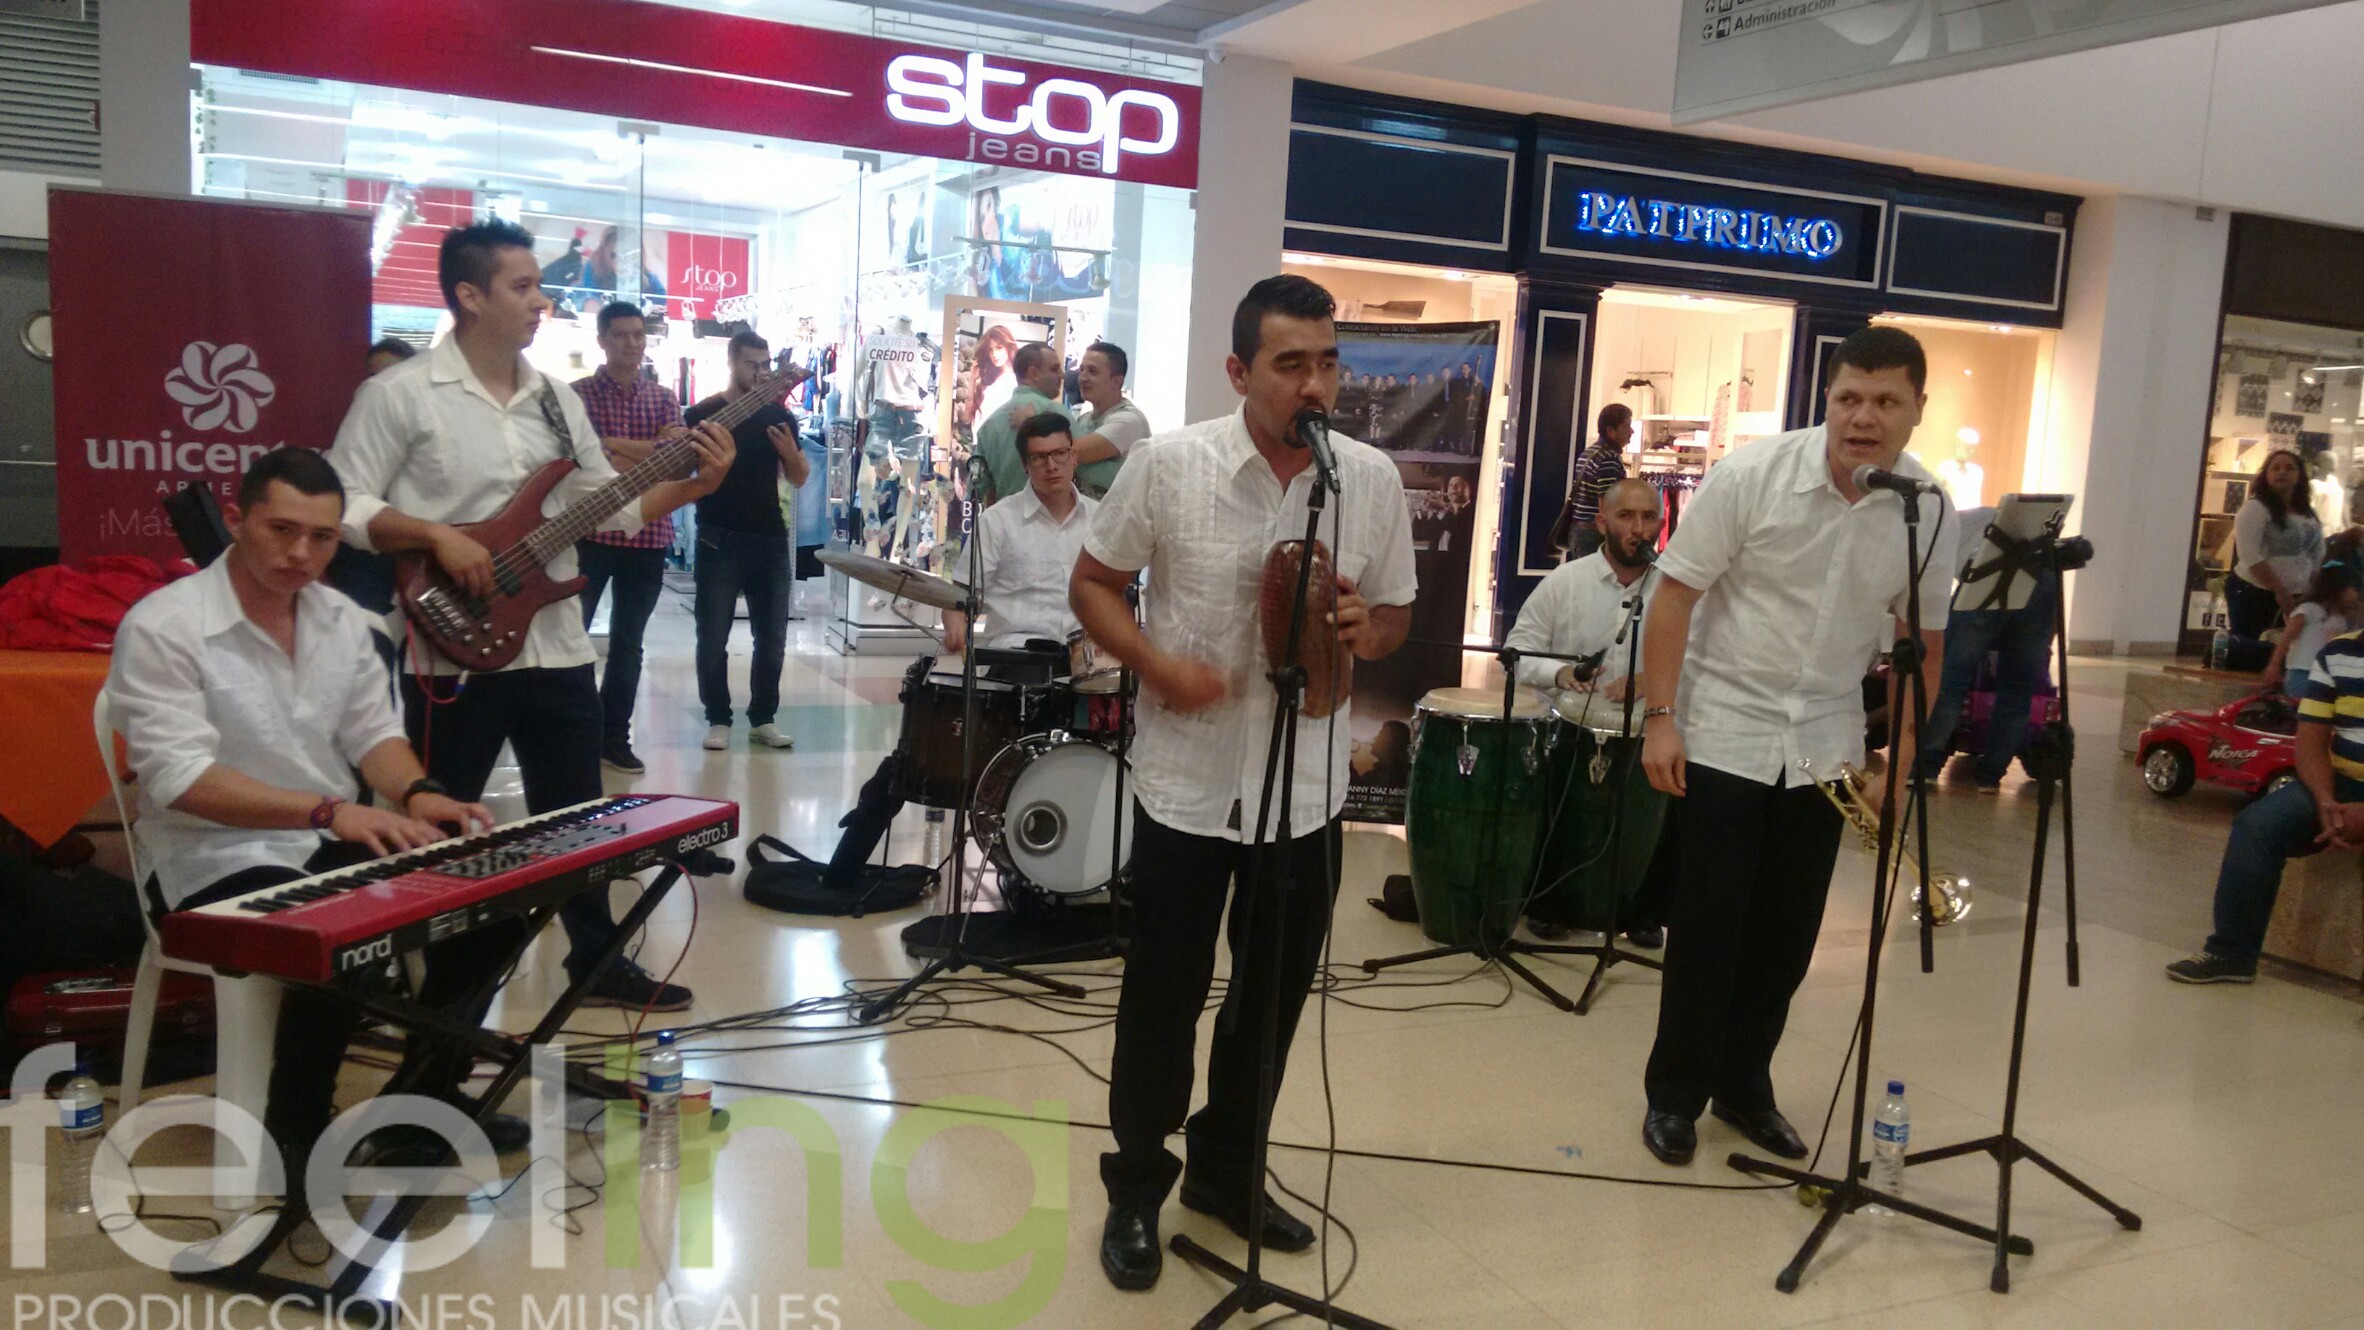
(50, 773)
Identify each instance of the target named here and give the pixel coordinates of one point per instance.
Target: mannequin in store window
(2277, 546)
(1964, 479)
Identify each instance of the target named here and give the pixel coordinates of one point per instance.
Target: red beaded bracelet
(325, 812)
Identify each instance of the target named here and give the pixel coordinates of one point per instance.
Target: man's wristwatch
(1650, 713)
(423, 785)
(325, 812)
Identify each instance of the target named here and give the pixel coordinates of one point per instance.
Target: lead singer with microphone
(1785, 579)
(1200, 508)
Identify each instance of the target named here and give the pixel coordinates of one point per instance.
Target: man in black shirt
(743, 551)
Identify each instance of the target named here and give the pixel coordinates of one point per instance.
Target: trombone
(1846, 794)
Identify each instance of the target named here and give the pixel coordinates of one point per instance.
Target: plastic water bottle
(935, 843)
(82, 1112)
(1892, 1132)
(2219, 647)
(660, 1143)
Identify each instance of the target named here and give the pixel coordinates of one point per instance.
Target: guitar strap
(556, 419)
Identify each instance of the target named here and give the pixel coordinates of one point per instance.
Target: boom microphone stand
(957, 955)
(1843, 1196)
(2049, 759)
(1270, 884)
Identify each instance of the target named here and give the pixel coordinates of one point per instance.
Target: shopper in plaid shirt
(634, 417)
(1578, 531)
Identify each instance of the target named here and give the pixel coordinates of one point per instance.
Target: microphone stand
(957, 955)
(1267, 887)
(1608, 953)
(1845, 1195)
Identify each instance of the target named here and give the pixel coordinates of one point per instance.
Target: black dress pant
(308, 1049)
(552, 719)
(1179, 885)
(1754, 871)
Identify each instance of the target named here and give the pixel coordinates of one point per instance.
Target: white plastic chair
(246, 1011)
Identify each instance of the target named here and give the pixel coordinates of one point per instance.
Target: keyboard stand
(388, 1217)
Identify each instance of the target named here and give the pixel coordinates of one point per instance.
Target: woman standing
(2277, 546)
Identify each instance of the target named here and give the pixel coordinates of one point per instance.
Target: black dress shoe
(1283, 1232)
(1771, 1131)
(1128, 1247)
(1548, 932)
(1669, 1137)
(1649, 937)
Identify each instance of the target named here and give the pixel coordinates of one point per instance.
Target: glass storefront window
(831, 254)
(1984, 424)
(2279, 387)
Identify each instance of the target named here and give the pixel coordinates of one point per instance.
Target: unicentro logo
(220, 387)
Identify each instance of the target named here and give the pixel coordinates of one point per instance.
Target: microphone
(1311, 430)
(1868, 478)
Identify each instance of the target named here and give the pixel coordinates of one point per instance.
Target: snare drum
(1587, 859)
(1473, 811)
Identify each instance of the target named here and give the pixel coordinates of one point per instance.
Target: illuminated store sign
(1703, 224)
(1654, 216)
(1075, 120)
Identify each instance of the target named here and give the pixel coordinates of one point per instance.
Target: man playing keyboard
(248, 695)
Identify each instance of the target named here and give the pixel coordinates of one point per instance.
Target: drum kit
(1031, 760)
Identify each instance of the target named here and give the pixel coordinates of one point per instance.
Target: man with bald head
(1578, 610)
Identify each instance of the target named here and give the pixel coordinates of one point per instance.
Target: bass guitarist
(449, 438)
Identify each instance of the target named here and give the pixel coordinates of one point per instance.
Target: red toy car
(2250, 744)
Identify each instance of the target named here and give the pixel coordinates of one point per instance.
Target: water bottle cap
(1896, 1087)
(665, 1039)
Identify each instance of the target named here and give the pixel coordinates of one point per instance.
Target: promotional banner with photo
(1417, 392)
(180, 364)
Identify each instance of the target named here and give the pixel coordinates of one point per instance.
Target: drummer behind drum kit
(1037, 777)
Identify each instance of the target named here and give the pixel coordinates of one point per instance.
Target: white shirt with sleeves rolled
(1801, 591)
(194, 682)
(426, 439)
(1200, 509)
(1575, 611)
(1025, 557)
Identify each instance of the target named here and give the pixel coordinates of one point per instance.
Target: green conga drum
(1473, 809)
(1596, 779)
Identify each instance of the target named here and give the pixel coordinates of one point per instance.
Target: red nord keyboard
(354, 918)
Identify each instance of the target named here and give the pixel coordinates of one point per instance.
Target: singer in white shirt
(1581, 606)
(1783, 582)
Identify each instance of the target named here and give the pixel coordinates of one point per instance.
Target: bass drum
(1046, 810)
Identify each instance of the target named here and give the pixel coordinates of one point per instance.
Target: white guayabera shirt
(1200, 508)
(1025, 558)
(1575, 611)
(1802, 591)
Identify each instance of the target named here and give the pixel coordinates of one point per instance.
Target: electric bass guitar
(487, 632)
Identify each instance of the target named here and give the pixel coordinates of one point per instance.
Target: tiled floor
(1496, 1179)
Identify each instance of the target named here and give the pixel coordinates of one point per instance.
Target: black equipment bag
(794, 884)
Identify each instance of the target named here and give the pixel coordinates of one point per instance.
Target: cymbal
(898, 580)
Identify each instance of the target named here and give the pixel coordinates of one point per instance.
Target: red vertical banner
(193, 335)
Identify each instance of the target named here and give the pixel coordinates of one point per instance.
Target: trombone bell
(1847, 795)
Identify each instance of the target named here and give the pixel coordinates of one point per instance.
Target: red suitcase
(93, 1008)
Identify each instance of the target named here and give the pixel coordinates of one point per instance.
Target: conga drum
(1587, 859)
(1473, 810)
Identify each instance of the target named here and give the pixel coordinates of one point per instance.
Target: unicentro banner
(193, 335)
(1417, 392)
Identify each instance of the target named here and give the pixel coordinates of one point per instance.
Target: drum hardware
(956, 955)
(1847, 795)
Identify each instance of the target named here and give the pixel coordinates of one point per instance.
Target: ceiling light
(1965, 374)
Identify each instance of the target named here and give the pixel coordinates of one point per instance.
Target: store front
(2289, 369)
(894, 215)
(1702, 284)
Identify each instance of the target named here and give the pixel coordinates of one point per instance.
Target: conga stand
(1843, 1196)
(1506, 950)
(957, 955)
(1269, 885)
